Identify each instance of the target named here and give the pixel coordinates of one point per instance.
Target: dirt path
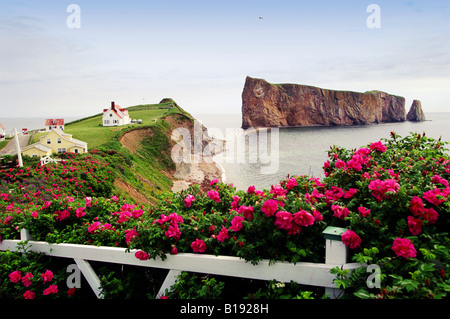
(10, 148)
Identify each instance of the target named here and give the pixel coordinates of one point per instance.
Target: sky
(56, 62)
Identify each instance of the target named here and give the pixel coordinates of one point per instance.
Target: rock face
(269, 105)
(415, 113)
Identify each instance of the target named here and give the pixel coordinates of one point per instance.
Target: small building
(52, 124)
(2, 132)
(115, 116)
(56, 141)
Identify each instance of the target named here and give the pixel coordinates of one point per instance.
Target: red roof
(50, 122)
(116, 108)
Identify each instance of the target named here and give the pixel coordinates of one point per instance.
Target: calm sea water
(302, 151)
(31, 123)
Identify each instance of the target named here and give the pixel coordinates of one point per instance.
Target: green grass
(3, 143)
(91, 131)
(143, 171)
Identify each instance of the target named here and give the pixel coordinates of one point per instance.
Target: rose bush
(391, 195)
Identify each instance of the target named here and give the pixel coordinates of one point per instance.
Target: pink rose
(364, 211)
(269, 208)
(303, 218)
(15, 276)
(141, 255)
(416, 206)
(234, 203)
(80, 212)
(236, 223)
(283, 220)
(339, 211)
(26, 279)
(340, 164)
(351, 239)
(223, 234)
(414, 225)
(378, 146)
(188, 200)
(173, 231)
(350, 193)
(88, 201)
(214, 195)
(94, 227)
(130, 234)
(198, 246)
(317, 215)
(246, 211)
(404, 247)
(291, 183)
(47, 275)
(52, 289)
(29, 294)
(432, 196)
(379, 188)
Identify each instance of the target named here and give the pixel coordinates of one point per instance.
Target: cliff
(415, 113)
(269, 105)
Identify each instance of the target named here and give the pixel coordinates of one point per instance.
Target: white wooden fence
(314, 274)
(47, 159)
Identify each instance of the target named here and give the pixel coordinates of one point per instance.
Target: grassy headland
(138, 153)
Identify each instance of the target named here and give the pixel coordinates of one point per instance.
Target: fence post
(335, 253)
(25, 235)
(170, 280)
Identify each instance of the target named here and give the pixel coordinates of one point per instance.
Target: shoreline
(199, 171)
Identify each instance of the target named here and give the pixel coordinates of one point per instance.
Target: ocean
(30, 123)
(303, 150)
(300, 151)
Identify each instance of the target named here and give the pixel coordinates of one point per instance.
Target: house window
(110, 115)
(61, 150)
(76, 151)
(106, 121)
(116, 121)
(49, 141)
(59, 140)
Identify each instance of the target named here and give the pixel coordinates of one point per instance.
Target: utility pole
(19, 154)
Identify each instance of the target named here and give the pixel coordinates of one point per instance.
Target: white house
(115, 116)
(53, 124)
(2, 132)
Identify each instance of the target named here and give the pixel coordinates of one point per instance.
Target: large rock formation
(415, 113)
(269, 105)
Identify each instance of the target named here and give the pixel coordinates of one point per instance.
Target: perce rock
(284, 105)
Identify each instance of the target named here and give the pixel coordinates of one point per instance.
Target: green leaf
(363, 294)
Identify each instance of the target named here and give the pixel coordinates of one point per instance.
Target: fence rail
(47, 159)
(314, 274)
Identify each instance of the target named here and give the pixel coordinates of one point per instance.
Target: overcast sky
(199, 52)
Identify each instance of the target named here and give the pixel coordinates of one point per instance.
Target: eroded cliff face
(269, 105)
(416, 113)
